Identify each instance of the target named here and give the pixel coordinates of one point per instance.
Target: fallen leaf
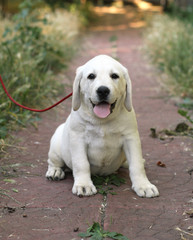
(15, 190)
(9, 180)
(160, 164)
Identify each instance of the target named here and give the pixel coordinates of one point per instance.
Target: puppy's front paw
(84, 189)
(55, 173)
(146, 190)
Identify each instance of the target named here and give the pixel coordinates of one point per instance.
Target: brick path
(48, 210)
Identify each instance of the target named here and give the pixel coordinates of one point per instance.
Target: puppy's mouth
(103, 109)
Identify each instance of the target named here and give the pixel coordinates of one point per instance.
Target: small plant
(172, 51)
(185, 114)
(113, 41)
(96, 232)
(29, 61)
(183, 13)
(185, 111)
(104, 183)
(186, 103)
(85, 12)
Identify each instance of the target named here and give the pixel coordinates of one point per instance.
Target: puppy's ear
(128, 97)
(76, 101)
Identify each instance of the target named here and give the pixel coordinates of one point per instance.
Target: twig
(179, 229)
(9, 145)
(5, 194)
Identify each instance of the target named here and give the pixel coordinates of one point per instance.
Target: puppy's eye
(91, 76)
(114, 76)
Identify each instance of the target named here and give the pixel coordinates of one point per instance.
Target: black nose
(103, 92)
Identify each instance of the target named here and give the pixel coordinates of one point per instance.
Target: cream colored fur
(88, 144)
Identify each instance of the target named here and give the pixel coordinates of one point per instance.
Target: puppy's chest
(103, 146)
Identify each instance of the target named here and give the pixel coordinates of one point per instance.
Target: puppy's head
(101, 84)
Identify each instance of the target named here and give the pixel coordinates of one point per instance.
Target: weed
(113, 41)
(185, 14)
(29, 61)
(185, 110)
(86, 15)
(24, 65)
(84, 11)
(169, 42)
(181, 129)
(186, 103)
(96, 232)
(185, 114)
(104, 183)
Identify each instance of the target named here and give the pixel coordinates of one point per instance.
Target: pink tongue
(102, 110)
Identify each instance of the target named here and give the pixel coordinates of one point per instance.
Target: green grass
(35, 45)
(169, 43)
(27, 65)
(183, 14)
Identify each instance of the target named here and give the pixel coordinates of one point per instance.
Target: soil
(31, 207)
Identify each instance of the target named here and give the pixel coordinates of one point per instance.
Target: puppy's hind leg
(55, 169)
(55, 161)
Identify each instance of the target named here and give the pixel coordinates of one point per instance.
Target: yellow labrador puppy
(100, 135)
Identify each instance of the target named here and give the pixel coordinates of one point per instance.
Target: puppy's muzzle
(103, 107)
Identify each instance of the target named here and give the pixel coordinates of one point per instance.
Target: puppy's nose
(103, 92)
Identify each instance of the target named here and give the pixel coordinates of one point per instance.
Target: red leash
(30, 109)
